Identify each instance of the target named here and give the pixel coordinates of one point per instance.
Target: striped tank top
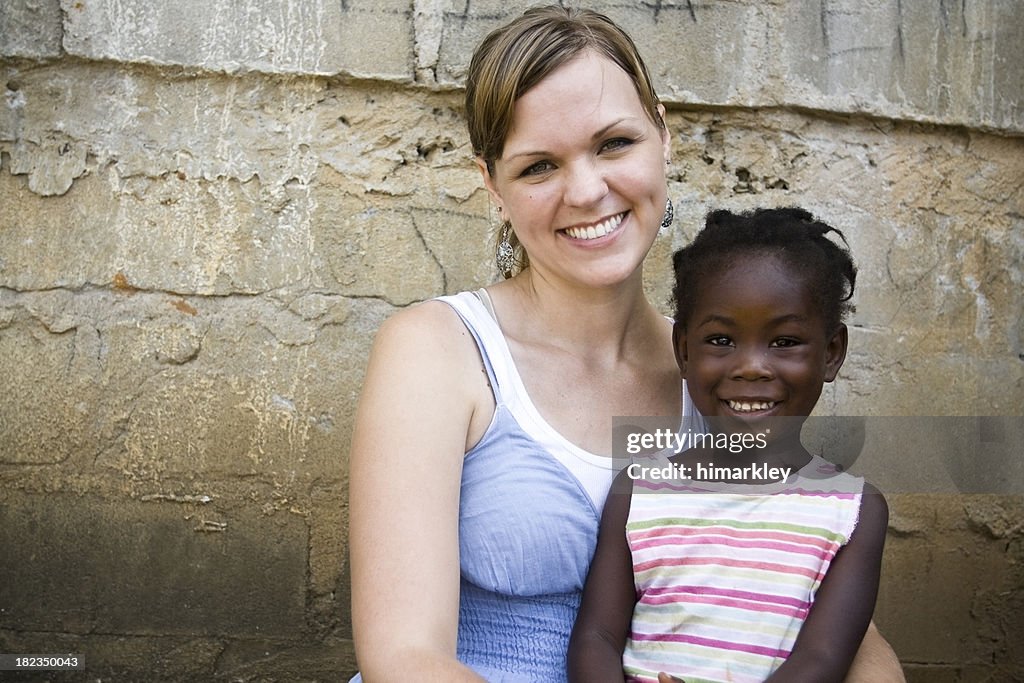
(726, 575)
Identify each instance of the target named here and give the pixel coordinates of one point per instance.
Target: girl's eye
(616, 144)
(719, 340)
(785, 342)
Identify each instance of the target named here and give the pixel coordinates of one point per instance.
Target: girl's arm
(602, 626)
(421, 394)
(843, 605)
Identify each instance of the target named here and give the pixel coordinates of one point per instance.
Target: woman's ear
(489, 184)
(835, 352)
(679, 347)
(666, 138)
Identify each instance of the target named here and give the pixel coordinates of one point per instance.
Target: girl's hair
(519, 55)
(792, 234)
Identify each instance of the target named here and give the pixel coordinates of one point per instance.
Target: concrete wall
(207, 208)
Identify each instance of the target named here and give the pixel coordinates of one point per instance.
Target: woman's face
(582, 174)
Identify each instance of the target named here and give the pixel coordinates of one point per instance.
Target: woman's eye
(719, 340)
(616, 144)
(537, 168)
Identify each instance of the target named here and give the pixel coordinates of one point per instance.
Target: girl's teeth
(595, 231)
(743, 407)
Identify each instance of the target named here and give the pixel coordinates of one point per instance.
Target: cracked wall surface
(207, 209)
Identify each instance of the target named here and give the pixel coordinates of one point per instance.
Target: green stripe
(734, 523)
(778, 580)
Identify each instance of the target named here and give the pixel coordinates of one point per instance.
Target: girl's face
(756, 346)
(582, 174)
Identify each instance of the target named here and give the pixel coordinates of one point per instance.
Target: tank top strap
(476, 315)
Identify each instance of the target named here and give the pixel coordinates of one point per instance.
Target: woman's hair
(791, 234)
(519, 55)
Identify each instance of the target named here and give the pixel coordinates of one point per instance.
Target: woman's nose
(585, 184)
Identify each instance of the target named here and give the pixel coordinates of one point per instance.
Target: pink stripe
(726, 593)
(724, 561)
(664, 486)
(720, 530)
(745, 605)
(680, 485)
(821, 493)
(813, 550)
(711, 642)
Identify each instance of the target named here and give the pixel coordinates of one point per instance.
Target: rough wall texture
(206, 209)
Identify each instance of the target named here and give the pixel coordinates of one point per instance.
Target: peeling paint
(201, 499)
(210, 526)
(51, 165)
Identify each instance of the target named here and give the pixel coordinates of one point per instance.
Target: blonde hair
(519, 55)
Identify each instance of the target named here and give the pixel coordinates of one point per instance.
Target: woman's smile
(581, 177)
(596, 231)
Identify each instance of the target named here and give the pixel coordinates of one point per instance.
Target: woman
(480, 459)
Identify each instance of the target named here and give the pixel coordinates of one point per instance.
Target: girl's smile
(756, 345)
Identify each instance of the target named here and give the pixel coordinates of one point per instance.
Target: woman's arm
(843, 605)
(602, 625)
(419, 401)
(876, 662)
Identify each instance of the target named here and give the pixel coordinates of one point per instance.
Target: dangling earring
(666, 220)
(505, 255)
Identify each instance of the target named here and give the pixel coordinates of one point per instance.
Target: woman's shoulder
(425, 367)
(429, 326)
(428, 341)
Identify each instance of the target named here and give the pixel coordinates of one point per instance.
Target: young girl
(709, 561)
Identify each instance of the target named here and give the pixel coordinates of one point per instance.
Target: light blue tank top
(529, 512)
(527, 526)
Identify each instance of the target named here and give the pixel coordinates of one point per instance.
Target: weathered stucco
(207, 209)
